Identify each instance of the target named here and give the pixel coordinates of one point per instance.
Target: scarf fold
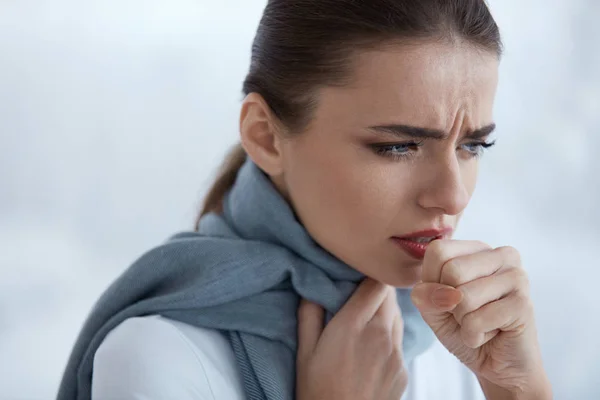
(243, 274)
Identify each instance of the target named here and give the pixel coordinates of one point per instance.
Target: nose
(445, 187)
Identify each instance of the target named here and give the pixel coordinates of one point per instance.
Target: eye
(476, 149)
(396, 150)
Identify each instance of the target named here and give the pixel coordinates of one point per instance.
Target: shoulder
(154, 357)
(437, 374)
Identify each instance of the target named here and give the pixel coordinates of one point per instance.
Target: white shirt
(151, 358)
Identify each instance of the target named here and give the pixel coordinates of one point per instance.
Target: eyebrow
(427, 133)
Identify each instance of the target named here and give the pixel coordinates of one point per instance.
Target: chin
(405, 283)
(403, 277)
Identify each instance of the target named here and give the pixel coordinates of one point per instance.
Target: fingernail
(446, 297)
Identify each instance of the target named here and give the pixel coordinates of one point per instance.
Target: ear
(261, 134)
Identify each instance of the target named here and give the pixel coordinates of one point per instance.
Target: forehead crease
(426, 88)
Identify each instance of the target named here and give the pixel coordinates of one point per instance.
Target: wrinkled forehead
(427, 85)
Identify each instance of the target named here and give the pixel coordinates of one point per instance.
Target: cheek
(328, 192)
(341, 200)
(470, 173)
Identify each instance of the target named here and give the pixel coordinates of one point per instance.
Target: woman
(361, 131)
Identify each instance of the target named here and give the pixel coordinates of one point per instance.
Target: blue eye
(476, 149)
(409, 149)
(397, 150)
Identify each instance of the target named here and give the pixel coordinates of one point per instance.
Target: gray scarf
(243, 273)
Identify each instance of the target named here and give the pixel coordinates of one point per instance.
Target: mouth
(415, 244)
(423, 240)
(415, 247)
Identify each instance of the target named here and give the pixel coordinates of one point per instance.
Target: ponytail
(213, 202)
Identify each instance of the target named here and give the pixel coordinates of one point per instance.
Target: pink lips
(416, 248)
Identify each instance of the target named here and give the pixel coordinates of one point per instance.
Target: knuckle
(382, 347)
(378, 330)
(470, 339)
(510, 254)
(472, 322)
(397, 353)
(524, 282)
(459, 315)
(522, 309)
(394, 362)
(523, 300)
(436, 249)
(483, 245)
(467, 305)
(519, 276)
(451, 272)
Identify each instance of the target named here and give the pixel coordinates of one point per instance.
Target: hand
(358, 355)
(482, 313)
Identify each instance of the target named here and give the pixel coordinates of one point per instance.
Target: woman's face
(393, 154)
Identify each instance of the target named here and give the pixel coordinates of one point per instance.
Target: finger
(398, 329)
(394, 373)
(364, 303)
(475, 341)
(463, 269)
(310, 327)
(394, 370)
(388, 310)
(432, 298)
(437, 316)
(507, 314)
(482, 291)
(440, 251)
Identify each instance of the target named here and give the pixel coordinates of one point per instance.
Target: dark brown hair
(302, 45)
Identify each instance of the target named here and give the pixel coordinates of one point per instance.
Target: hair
(302, 45)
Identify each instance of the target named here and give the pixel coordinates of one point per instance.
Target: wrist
(540, 390)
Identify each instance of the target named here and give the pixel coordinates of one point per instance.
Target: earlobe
(260, 134)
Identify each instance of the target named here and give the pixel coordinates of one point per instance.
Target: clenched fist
(476, 300)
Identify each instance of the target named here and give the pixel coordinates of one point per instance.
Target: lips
(416, 243)
(436, 233)
(412, 247)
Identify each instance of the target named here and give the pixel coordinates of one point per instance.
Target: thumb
(435, 298)
(310, 326)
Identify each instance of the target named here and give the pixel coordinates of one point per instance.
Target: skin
(353, 199)
(365, 364)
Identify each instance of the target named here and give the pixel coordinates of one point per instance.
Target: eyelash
(386, 150)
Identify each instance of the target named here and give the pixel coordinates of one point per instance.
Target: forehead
(424, 84)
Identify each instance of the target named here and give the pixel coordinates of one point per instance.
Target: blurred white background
(114, 114)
